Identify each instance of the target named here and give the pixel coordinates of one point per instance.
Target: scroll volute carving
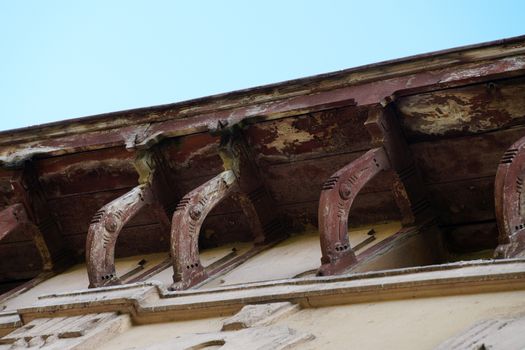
(391, 153)
(186, 224)
(108, 222)
(337, 196)
(241, 180)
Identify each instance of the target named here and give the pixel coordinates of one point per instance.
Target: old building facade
(376, 207)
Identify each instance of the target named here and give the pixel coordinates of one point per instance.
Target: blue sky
(66, 59)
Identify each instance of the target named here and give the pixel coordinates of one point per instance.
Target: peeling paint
(17, 157)
(470, 109)
(113, 165)
(509, 63)
(298, 133)
(288, 135)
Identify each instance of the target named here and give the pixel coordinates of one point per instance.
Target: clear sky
(66, 59)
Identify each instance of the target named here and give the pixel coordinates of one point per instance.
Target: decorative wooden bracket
(337, 196)
(241, 181)
(14, 218)
(510, 202)
(30, 206)
(108, 222)
(340, 190)
(187, 221)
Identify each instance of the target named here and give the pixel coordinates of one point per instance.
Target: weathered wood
(465, 110)
(308, 136)
(338, 194)
(14, 219)
(510, 210)
(465, 157)
(366, 86)
(240, 180)
(340, 190)
(46, 233)
(154, 192)
(87, 172)
(16, 266)
(187, 221)
(456, 102)
(105, 228)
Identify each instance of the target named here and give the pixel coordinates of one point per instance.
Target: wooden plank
(299, 216)
(87, 172)
(308, 136)
(464, 157)
(76, 212)
(193, 156)
(459, 111)
(463, 201)
(303, 181)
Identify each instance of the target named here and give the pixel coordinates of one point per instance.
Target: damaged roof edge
(266, 93)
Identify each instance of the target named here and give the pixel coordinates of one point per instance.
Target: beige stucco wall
(401, 324)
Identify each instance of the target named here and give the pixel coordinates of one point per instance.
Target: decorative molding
(66, 332)
(151, 302)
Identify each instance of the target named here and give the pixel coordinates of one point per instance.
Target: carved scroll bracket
(239, 179)
(339, 191)
(187, 221)
(108, 222)
(510, 202)
(337, 196)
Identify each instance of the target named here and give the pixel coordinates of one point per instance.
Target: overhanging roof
(460, 109)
